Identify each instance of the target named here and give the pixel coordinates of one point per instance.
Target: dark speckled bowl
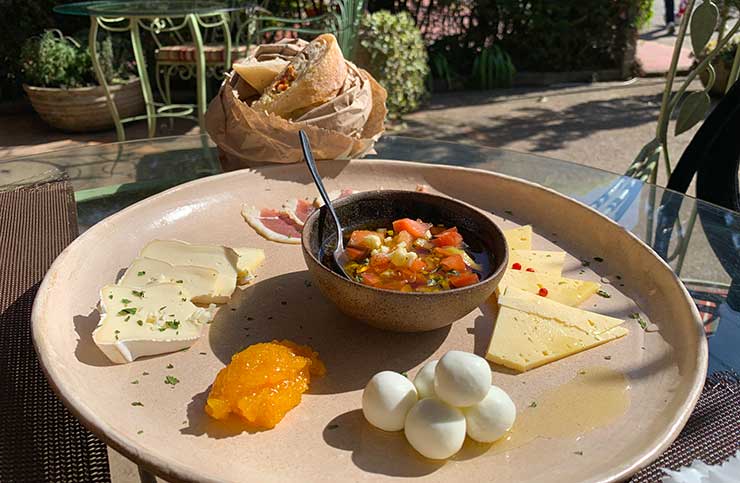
(394, 310)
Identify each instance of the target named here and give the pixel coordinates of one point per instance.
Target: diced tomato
(370, 278)
(418, 265)
(379, 261)
(436, 230)
(415, 228)
(453, 262)
(358, 236)
(355, 253)
(464, 279)
(393, 284)
(448, 238)
(404, 236)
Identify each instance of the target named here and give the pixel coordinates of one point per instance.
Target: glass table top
(705, 254)
(150, 8)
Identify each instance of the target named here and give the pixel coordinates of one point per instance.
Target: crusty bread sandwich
(311, 78)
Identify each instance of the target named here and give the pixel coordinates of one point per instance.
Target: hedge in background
(392, 49)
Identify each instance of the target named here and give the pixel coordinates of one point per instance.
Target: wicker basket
(85, 109)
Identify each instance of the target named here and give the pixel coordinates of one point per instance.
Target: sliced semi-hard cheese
(160, 320)
(200, 282)
(249, 260)
(531, 331)
(519, 238)
(539, 261)
(567, 291)
(224, 260)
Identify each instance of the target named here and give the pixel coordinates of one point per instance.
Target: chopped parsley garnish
(135, 381)
(140, 322)
(562, 283)
(582, 372)
(170, 366)
(608, 358)
(599, 259)
(332, 426)
(117, 332)
(172, 324)
(141, 431)
(137, 403)
(203, 353)
(172, 380)
(508, 212)
(127, 318)
(125, 301)
(533, 404)
(579, 453)
(138, 293)
(162, 308)
(603, 293)
(141, 274)
(162, 329)
(639, 320)
(184, 299)
(178, 281)
(144, 373)
(585, 263)
(127, 311)
(110, 296)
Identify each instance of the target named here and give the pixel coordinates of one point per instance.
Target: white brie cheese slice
(160, 320)
(249, 260)
(200, 282)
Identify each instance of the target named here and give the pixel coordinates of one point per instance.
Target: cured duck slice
(272, 224)
(298, 210)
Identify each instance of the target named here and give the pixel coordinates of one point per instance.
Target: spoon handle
(308, 156)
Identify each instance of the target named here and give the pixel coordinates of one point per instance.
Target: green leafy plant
(493, 68)
(392, 49)
(55, 60)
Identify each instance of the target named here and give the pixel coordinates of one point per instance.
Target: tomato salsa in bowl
(435, 260)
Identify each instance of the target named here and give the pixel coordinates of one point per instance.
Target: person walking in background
(670, 17)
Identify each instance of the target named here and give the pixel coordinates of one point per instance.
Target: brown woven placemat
(39, 439)
(712, 433)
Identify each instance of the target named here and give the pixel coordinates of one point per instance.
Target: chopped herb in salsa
(413, 257)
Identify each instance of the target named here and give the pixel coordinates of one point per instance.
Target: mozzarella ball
(491, 418)
(424, 380)
(386, 400)
(462, 379)
(435, 429)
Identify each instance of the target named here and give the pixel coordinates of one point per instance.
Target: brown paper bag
(345, 127)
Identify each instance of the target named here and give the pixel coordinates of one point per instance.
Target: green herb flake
(135, 381)
(184, 299)
(127, 318)
(639, 320)
(203, 353)
(162, 308)
(172, 324)
(127, 311)
(562, 283)
(582, 372)
(178, 281)
(171, 380)
(170, 366)
(110, 296)
(508, 212)
(138, 293)
(162, 329)
(608, 358)
(137, 403)
(579, 453)
(125, 301)
(140, 322)
(533, 404)
(585, 263)
(603, 293)
(141, 431)
(141, 273)
(144, 373)
(332, 426)
(598, 259)
(117, 332)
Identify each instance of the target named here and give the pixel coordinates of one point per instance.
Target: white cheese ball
(435, 429)
(424, 380)
(462, 379)
(386, 400)
(491, 418)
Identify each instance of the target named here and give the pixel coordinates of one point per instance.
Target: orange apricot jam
(263, 382)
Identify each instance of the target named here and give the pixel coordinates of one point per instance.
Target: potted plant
(722, 64)
(61, 84)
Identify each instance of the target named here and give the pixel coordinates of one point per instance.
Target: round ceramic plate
(326, 437)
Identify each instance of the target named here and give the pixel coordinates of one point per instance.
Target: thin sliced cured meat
(272, 224)
(334, 195)
(298, 210)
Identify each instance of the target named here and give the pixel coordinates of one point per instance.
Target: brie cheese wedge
(519, 238)
(134, 324)
(200, 282)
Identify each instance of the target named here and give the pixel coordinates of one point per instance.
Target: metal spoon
(339, 256)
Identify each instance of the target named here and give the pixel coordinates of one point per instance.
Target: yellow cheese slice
(260, 74)
(249, 260)
(567, 291)
(519, 238)
(540, 261)
(531, 331)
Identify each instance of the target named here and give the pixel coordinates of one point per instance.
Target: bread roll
(312, 77)
(260, 74)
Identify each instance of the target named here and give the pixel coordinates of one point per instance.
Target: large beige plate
(326, 437)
